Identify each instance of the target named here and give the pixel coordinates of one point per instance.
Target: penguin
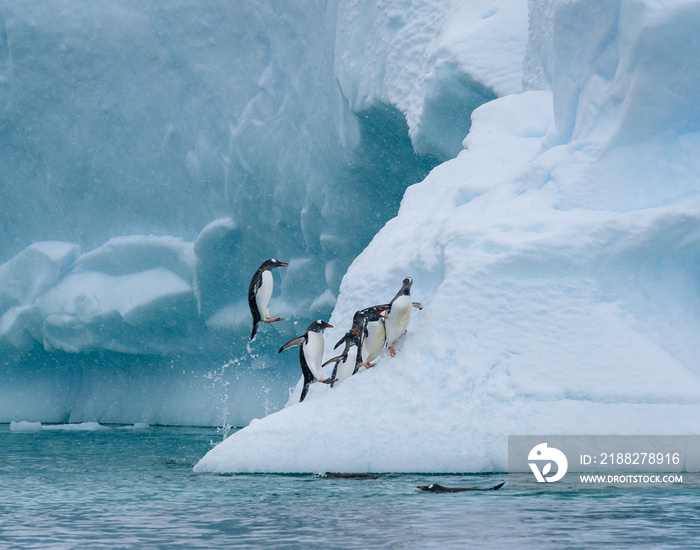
(347, 363)
(399, 314)
(435, 488)
(310, 354)
(373, 333)
(259, 293)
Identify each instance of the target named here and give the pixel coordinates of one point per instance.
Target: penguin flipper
(417, 305)
(254, 285)
(305, 390)
(335, 371)
(335, 360)
(293, 342)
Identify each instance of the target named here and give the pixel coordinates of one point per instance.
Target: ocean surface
(120, 487)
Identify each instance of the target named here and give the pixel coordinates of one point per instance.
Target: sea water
(126, 487)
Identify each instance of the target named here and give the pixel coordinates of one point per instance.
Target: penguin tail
(255, 329)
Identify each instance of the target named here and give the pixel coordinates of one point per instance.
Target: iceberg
(556, 258)
(531, 165)
(31, 427)
(154, 155)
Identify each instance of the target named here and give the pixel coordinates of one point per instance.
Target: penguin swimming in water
(259, 293)
(399, 314)
(373, 332)
(347, 363)
(435, 488)
(310, 354)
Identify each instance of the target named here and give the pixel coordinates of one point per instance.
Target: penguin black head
(272, 263)
(434, 488)
(374, 313)
(318, 326)
(405, 287)
(359, 318)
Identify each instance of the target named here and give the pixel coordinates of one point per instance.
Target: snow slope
(557, 259)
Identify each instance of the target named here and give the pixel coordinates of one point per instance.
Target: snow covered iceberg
(557, 257)
(153, 155)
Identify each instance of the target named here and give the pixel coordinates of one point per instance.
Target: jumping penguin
(399, 314)
(347, 363)
(259, 293)
(310, 354)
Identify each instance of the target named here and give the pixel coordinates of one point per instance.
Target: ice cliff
(557, 258)
(153, 155)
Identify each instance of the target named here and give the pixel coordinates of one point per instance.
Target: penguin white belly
(374, 341)
(313, 353)
(262, 297)
(347, 367)
(397, 319)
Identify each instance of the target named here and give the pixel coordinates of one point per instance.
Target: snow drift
(557, 259)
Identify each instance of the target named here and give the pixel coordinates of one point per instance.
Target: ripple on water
(136, 489)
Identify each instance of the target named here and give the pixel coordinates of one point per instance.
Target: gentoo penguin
(346, 364)
(399, 314)
(373, 332)
(259, 293)
(310, 354)
(435, 488)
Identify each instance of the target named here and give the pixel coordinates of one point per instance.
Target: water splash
(266, 400)
(219, 381)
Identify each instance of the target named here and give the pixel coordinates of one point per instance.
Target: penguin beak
(282, 264)
(326, 325)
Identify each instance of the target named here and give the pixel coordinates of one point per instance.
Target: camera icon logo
(542, 453)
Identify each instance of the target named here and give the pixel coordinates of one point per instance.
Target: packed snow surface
(557, 259)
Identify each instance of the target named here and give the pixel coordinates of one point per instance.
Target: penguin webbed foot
(417, 305)
(273, 320)
(392, 351)
(328, 380)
